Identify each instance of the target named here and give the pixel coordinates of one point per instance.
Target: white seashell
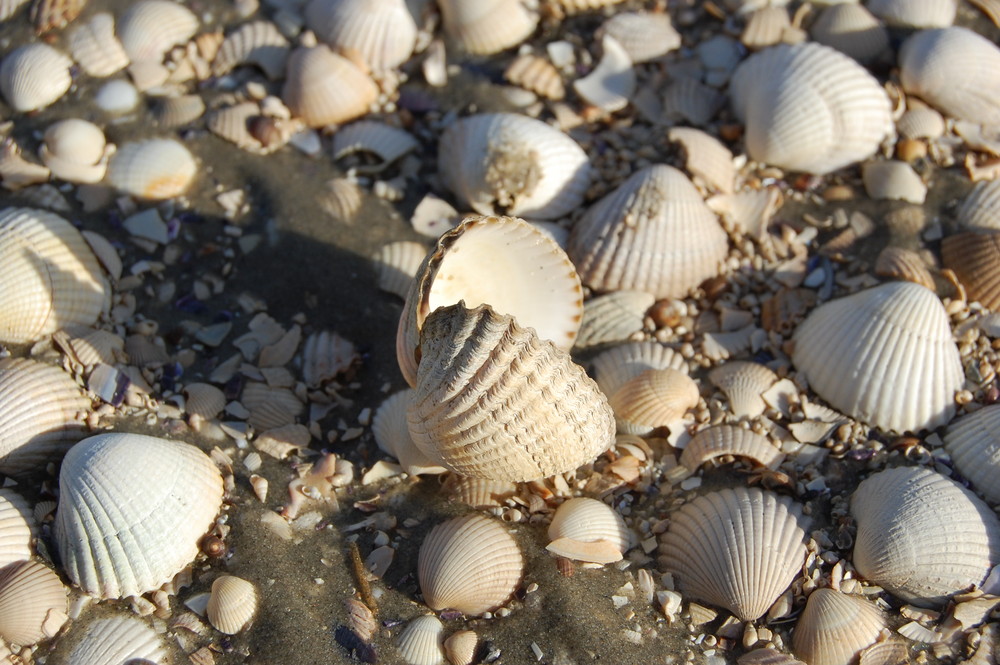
(33, 76)
(706, 158)
(643, 35)
(809, 108)
(396, 265)
(460, 648)
(691, 101)
(537, 75)
(888, 652)
(341, 198)
(116, 641)
(654, 398)
(16, 528)
(392, 434)
(257, 43)
(834, 627)
(203, 400)
(150, 28)
(95, 47)
(915, 13)
(421, 641)
(382, 32)
(232, 123)
(48, 15)
(386, 142)
(767, 26)
(434, 216)
(851, 29)
(620, 364)
(885, 356)
(973, 443)
(612, 83)
(470, 564)
(117, 97)
(587, 520)
(32, 603)
(921, 123)
(325, 355)
(159, 520)
(74, 151)
(980, 211)
(323, 88)
(893, 180)
(613, 317)
(726, 440)
(232, 605)
(486, 26)
(749, 211)
(270, 408)
(178, 111)
(153, 169)
(744, 384)
(501, 162)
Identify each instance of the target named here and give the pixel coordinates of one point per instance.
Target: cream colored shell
(115, 641)
(726, 440)
(152, 169)
(486, 26)
(382, 32)
(974, 444)
(95, 47)
(33, 76)
(644, 35)
(654, 398)
(613, 317)
(203, 400)
(33, 603)
(851, 29)
(893, 180)
(323, 88)
(834, 627)
(421, 641)
(980, 209)
(257, 43)
(537, 75)
(620, 364)
(588, 520)
(392, 434)
(709, 162)
(611, 84)
(75, 151)
(903, 264)
(150, 28)
(396, 265)
(16, 528)
(460, 647)
(232, 604)
(178, 110)
(915, 13)
(744, 384)
(975, 259)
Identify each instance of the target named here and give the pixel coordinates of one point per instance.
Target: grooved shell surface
(851, 29)
(620, 364)
(119, 640)
(121, 532)
(613, 317)
(33, 76)
(903, 264)
(643, 35)
(382, 32)
(975, 259)
(152, 169)
(32, 603)
(150, 28)
(420, 642)
(834, 627)
(323, 88)
(392, 434)
(728, 440)
(486, 26)
(257, 43)
(744, 384)
(232, 604)
(885, 356)
(16, 527)
(95, 47)
(922, 536)
(974, 444)
(981, 208)
(654, 398)
(588, 520)
(396, 265)
(915, 13)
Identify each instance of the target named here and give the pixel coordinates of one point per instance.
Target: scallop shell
(975, 259)
(654, 398)
(851, 29)
(178, 111)
(724, 440)
(460, 648)
(903, 264)
(486, 26)
(232, 605)
(341, 198)
(706, 158)
(654, 233)
(834, 627)
(981, 208)
(809, 108)
(50, 277)
(613, 317)
(95, 47)
(587, 520)
(612, 82)
(620, 364)
(74, 151)
(150, 28)
(16, 528)
(257, 43)
(392, 434)
(744, 383)
(922, 536)
(33, 76)
(421, 641)
(158, 519)
(736, 548)
(386, 142)
(470, 564)
(974, 444)
(493, 400)
(511, 163)
(32, 603)
(323, 88)
(203, 400)
(915, 13)
(884, 356)
(644, 35)
(117, 640)
(153, 169)
(537, 75)
(382, 32)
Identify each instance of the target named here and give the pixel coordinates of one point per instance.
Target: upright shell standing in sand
(232, 604)
(588, 530)
(834, 627)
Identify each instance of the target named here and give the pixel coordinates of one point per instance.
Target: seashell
(392, 434)
(922, 536)
(749, 211)
(723, 440)
(95, 47)
(17, 172)
(903, 264)
(654, 398)
(479, 493)
(487, 26)
(153, 169)
(33, 76)
(143, 351)
(620, 364)
(54, 14)
(74, 151)
(587, 520)
(613, 317)
(834, 627)
(383, 33)
(50, 276)
(386, 142)
(980, 210)
(691, 101)
(269, 407)
(470, 564)
(203, 400)
(885, 356)
(16, 528)
(973, 443)
(493, 400)
(116, 97)
(519, 257)
(809, 108)
(460, 648)
(888, 652)
(851, 29)
(258, 43)
(654, 233)
(32, 603)
(232, 605)
(612, 83)
(537, 75)
(915, 13)
(341, 198)
(396, 265)
(708, 161)
(150, 28)
(171, 112)
(736, 548)
(765, 27)
(325, 355)
(894, 180)
(116, 640)
(744, 383)
(323, 88)
(433, 216)
(974, 259)
(154, 531)
(421, 641)
(643, 35)
(501, 162)
(232, 124)
(921, 123)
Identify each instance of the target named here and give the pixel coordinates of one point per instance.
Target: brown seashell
(54, 14)
(834, 627)
(537, 75)
(33, 603)
(232, 604)
(323, 88)
(486, 26)
(460, 647)
(724, 440)
(16, 528)
(257, 43)
(654, 398)
(975, 260)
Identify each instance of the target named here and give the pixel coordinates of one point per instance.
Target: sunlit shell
(232, 605)
(479, 493)
(974, 444)
(203, 400)
(537, 75)
(620, 364)
(460, 647)
(766, 656)
(382, 32)
(643, 35)
(612, 82)
(922, 536)
(384, 141)
(74, 151)
(158, 521)
(706, 158)
(396, 265)
(116, 97)
(587, 520)
(95, 47)
(257, 43)
(232, 123)
(392, 434)
(749, 211)
(421, 641)
(725, 440)
(888, 652)
(654, 398)
(975, 260)
(852, 29)
(654, 233)
(765, 27)
(323, 88)
(885, 356)
(486, 26)
(115, 641)
(921, 123)
(32, 603)
(613, 317)
(493, 400)
(915, 13)
(904, 264)
(572, 6)
(87, 347)
(501, 162)
(150, 28)
(470, 564)
(744, 383)
(981, 208)
(16, 527)
(893, 180)
(736, 548)
(809, 108)
(834, 627)
(33, 76)
(152, 169)
(179, 110)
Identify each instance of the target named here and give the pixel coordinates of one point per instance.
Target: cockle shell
(16, 528)
(725, 440)
(470, 564)
(851, 29)
(325, 356)
(493, 400)
(613, 317)
(152, 169)
(95, 47)
(392, 434)
(915, 13)
(479, 493)
(382, 32)
(487, 26)
(922, 536)
(974, 444)
(117, 640)
(654, 233)
(32, 603)
(585, 520)
(691, 101)
(232, 604)
(150, 28)
(178, 110)
(421, 641)
(384, 141)
(460, 647)
(323, 88)
(654, 398)
(736, 548)
(706, 158)
(885, 356)
(620, 364)
(834, 627)
(158, 521)
(203, 400)
(537, 75)
(49, 15)
(744, 384)
(809, 108)
(768, 26)
(257, 43)
(921, 122)
(643, 35)
(74, 150)
(903, 264)
(341, 198)
(975, 260)
(33, 76)
(981, 208)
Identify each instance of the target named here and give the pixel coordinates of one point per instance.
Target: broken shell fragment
(974, 444)
(232, 604)
(33, 76)
(834, 627)
(537, 75)
(153, 169)
(257, 43)
(585, 520)
(33, 603)
(643, 35)
(612, 83)
(980, 211)
(396, 265)
(726, 440)
(392, 434)
(893, 180)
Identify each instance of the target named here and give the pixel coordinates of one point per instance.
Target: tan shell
(726, 440)
(765, 27)
(115, 641)
(834, 627)
(152, 169)
(421, 641)
(620, 364)
(975, 260)
(749, 211)
(232, 605)
(613, 317)
(470, 564)
(396, 265)
(885, 356)
(653, 233)
(257, 43)
(744, 383)
(486, 26)
(178, 111)
(232, 124)
(150, 28)
(537, 75)
(981, 208)
(588, 520)
(460, 647)
(707, 160)
(392, 434)
(33, 603)
(889, 652)
(974, 444)
(903, 264)
(33, 76)
(203, 400)
(479, 493)
(495, 401)
(922, 536)
(644, 35)
(893, 180)
(654, 398)
(736, 548)
(382, 32)
(915, 13)
(95, 47)
(851, 29)
(75, 150)
(323, 88)
(16, 528)
(921, 123)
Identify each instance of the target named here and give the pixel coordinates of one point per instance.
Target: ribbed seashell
(382, 32)
(766, 656)
(152, 169)
(644, 35)
(744, 383)
(482, 413)
(501, 162)
(654, 398)
(479, 493)
(537, 75)
(203, 400)
(16, 528)
(888, 652)
(920, 123)
(421, 641)
(341, 198)
(50, 277)
(654, 233)
(95, 47)
(396, 265)
(691, 101)
(232, 604)
(32, 603)
(325, 355)
(915, 13)
(613, 317)
(611, 84)
(323, 88)
(974, 444)
(586, 520)
(736, 548)
(232, 124)
(158, 521)
(809, 108)
(179, 110)
(750, 211)
(392, 434)
(270, 407)
(33, 76)
(74, 151)
(723, 440)
(954, 69)
(257, 43)
(54, 14)
(893, 180)
(852, 29)
(885, 356)
(487, 26)
(150, 28)
(922, 536)
(572, 6)
(503, 262)
(765, 27)
(981, 208)
(834, 627)
(460, 647)
(975, 260)
(706, 158)
(620, 364)
(903, 264)
(470, 564)
(116, 640)
(386, 142)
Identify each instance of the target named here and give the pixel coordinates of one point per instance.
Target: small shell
(270, 408)
(171, 112)
(232, 124)
(54, 14)
(16, 528)
(152, 169)
(203, 400)
(32, 603)
(150, 28)
(765, 27)
(619, 365)
(479, 493)
(723, 440)
(325, 356)
(654, 398)
(981, 208)
(613, 317)
(257, 43)
(537, 75)
(744, 383)
(95, 47)
(74, 151)
(903, 264)
(920, 123)
(232, 605)
(115, 641)
(706, 158)
(766, 656)
(487, 26)
(382, 32)
(691, 101)
(612, 83)
(421, 641)
(915, 13)
(470, 564)
(749, 211)
(460, 648)
(341, 198)
(643, 35)
(33, 76)
(851, 29)
(834, 627)
(974, 444)
(392, 434)
(587, 521)
(889, 652)
(323, 88)
(975, 259)
(893, 180)
(386, 142)
(396, 265)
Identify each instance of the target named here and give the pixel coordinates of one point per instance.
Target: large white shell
(885, 356)
(834, 627)
(152, 169)
(95, 47)
(586, 520)
(852, 29)
(974, 444)
(157, 520)
(33, 76)
(809, 108)
(150, 28)
(257, 43)
(323, 88)
(32, 603)
(117, 640)
(421, 642)
(16, 527)
(232, 604)
(382, 32)
(915, 13)
(487, 26)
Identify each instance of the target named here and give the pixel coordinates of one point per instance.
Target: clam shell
(834, 627)
(270, 407)
(612, 83)
(158, 520)
(723, 440)
(232, 605)
(95, 47)
(493, 400)
(382, 32)
(749, 211)
(885, 356)
(392, 434)
(613, 317)
(470, 564)
(486, 26)
(975, 259)
(32, 603)
(922, 536)
(323, 88)
(257, 43)
(643, 35)
(589, 520)
(894, 180)
(537, 75)
(620, 364)
(974, 444)
(421, 641)
(851, 29)
(903, 264)
(980, 209)
(396, 265)
(116, 640)
(915, 13)
(809, 108)
(150, 28)
(178, 111)
(16, 528)
(33, 76)
(744, 384)
(654, 233)
(501, 162)
(203, 400)
(736, 548)
(74, 151)
(706, 158)
(460, 648)
(152, 169)
(654, 398)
